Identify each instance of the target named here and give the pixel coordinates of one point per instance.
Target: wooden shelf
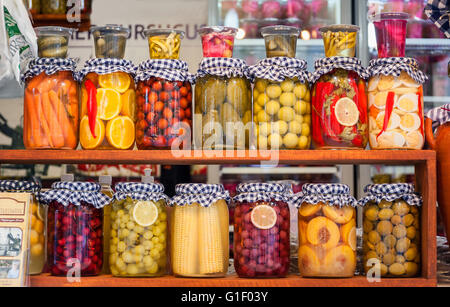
(61, 20)
(231, 281)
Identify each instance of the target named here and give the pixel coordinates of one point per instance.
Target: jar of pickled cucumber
(327, 231)
(261, 230)
(57, 7)
(75, 227)
(281, 104)
(223, 105)
(339, 104)
(108, 105)
(396, 106)
(392, 237)
(199, 225)
(139, 230)
(38, 221)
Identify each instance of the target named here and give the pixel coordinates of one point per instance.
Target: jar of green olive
(391, 224)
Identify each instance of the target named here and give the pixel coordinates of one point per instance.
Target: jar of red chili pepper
(261, 230)
(75, 227)
(339, 104)
(164, 104)
(396, 117)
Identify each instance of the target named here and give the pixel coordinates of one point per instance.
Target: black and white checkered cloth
(171, 70)
(222, 67)
(140, 191)
(48, 65)
(439, 116)
(326, 65)
(107, 66)
(391, 192)
(438, 11)
(280, 68)
(19, 186)
(203, 194)
(266, 192)
(287, 183)
(331, 194)
(74, 193)
(395, 66)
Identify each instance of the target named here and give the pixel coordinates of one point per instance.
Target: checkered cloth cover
(107, 66)
(171, 70)
(203, 194)
(326, 65)
(391, 192)
(395, 66)
(266, 192)
(19, 186)
(280, 68)
(330, 194)
(140, 191)
(74, 193)
(439, 12)
(439, 116)
(50, 66)
(222, 67)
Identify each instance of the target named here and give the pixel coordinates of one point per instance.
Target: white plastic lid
(105, 180)
(148, 178)
(67, 178)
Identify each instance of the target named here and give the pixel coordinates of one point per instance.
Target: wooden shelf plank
(167, 157)
(231, 281)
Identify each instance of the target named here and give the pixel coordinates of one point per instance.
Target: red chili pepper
(362, 105)
(388, 111)
(358, 140)
(317, 115)
(420, 95)
(91, 105)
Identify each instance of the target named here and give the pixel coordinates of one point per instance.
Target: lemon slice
(346, 111)
(264, 217)
(87, 140)
(109, 103)
(118, 81)
(145, 213)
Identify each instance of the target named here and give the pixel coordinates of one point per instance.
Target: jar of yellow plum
(199, 227)
(396, 106)
(327, 231)
(391, 239)
(138, 230)
(38, 221)
(282, 104)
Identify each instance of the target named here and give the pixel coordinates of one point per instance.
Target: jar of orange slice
(327, 231)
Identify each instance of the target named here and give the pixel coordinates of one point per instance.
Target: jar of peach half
(327, 231)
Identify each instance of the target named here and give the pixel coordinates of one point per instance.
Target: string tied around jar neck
(391, 192)
(331, 194)
(203, 194)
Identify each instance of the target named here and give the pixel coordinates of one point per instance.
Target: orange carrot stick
(70, 139)
(44, 130)
(34, 82)
(56, 130)
(32, 139)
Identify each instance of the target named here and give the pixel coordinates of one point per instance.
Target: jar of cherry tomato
(396, 116)
(339, 104)
(75, 227)
(261, 230)
(164, 104)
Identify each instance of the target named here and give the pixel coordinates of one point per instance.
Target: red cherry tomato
(168, 86)
(159, 106)
(153, 97)
(188, 113)
(163, 123)
(184, 91)
(164, 96)
(184, 103)
(157, 86)
(167, 113)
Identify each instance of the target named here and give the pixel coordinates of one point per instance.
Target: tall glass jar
(38, 221)
(339, 104)
(261, 231)
(33, 6)
(392, 237)
(57, 7)
(396, 106)
(105, 182)
(75, 227)
(327, 231)
(217, 41)
(139, 230)
(223, 105)
(199, 227)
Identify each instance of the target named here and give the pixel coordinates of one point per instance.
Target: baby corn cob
(210, 241)
(185, 240)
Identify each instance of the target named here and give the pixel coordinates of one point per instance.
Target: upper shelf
(167, 157)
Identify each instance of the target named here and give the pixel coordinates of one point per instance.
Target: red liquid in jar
(391, 37)
(217, 45)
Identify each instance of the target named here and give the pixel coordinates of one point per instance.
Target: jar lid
(203, 194)
(391, 192)
(332, 194)
(222, 67)
(158, 32)
(267, 192)
(49, 66)
(110, 28)
(171, 70)
(19, 186)
(107, 66)
(140, 191)
(326, 65)
(279, 68)
(395, 66)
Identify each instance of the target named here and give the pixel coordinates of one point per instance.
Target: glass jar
(217, 42)
(199, 227)
(53, 42)
(110, 41)
(261, 231)
(340, 40)
(75, 228)
(164, 43)
(139, 231)
(282, 114)
(105, 182)
(339, 117)
(391, 226)
(327, 231)
(57, 7)
(281, 41)
(33, 6)
(390, 31)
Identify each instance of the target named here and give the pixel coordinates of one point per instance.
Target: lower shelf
(231, 281)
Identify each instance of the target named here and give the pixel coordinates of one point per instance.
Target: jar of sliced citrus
(327, 231)
(138, 246)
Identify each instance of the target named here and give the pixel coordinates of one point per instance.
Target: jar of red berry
(261, 230)
(164, 104)
(75, 227)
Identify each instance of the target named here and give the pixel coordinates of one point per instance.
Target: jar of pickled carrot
(108, 104)
(199, 227)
